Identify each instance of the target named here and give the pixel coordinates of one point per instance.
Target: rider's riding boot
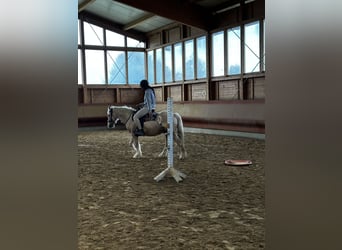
(139, 132)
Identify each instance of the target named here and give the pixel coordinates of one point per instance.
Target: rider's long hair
(145, 85)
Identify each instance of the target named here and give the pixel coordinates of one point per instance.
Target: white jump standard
(176, 174)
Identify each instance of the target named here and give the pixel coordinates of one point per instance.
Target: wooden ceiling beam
(84, 5)
(138, 21)
(225, 6)
(180, 11)
(110, 25)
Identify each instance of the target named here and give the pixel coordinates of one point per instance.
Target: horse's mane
(124, 107)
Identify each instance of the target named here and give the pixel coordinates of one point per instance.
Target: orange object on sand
(238, 162)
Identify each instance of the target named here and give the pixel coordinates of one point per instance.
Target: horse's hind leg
(136, 146)
(180, 144)
(164, 152)
(182, 153)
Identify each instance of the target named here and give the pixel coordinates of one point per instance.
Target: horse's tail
(180, 127)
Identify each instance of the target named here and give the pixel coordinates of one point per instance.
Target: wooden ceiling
(142, 16)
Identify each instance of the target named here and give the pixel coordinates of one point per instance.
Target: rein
(128, 118)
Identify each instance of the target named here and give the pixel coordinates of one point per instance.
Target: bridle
(111, 121)
(110, 117)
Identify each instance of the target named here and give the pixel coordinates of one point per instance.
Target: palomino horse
(151, 128)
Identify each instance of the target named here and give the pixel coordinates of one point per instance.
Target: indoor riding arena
(216, 206)
(209, 57)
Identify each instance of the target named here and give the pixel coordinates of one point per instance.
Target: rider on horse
(149, 106)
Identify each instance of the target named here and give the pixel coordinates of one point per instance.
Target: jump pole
(176, 174)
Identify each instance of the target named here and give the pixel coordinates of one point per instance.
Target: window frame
(83, 47)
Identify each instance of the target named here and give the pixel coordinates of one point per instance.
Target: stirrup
(139, 132)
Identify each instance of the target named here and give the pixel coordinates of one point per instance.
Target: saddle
(147, 118)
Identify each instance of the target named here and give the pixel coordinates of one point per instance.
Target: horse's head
(111, 119)
(118, 113)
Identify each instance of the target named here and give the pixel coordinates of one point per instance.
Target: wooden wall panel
(174, 35)
(131, 96)
(199, 92)
(196, 32)
(155, 40)
(250, 88)
(229, 90)
(176, 93)
(102, 96)
(187, 92)
(248, 116)
(233, 17)
(159, 94)
(259, 88)
(87, 96)
(80, 96)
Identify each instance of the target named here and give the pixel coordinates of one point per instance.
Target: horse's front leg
(132, 144)
(136, 146)
(164, 152)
